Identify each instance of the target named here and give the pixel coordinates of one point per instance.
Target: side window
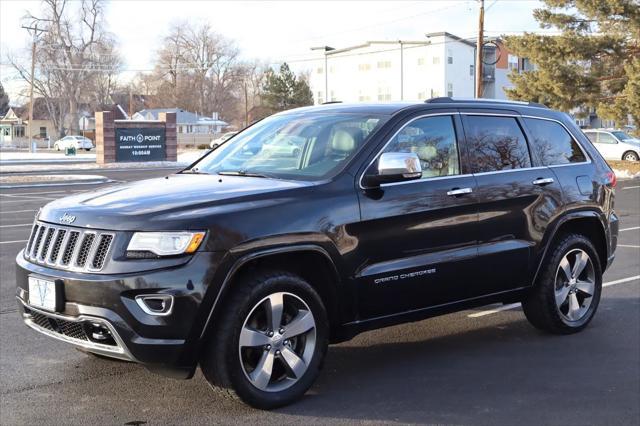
(606, 138)
(496, 143)
(433, 139)
(593, 137)
(553, 144)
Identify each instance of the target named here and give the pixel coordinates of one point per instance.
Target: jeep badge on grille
(67, 218)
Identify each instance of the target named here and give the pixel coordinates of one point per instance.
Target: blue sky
(274, 31)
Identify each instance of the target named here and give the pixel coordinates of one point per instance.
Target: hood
(175, 202)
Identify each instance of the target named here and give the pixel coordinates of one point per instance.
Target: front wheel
(630, 156)
(567, 292)
(268, 345)
(56, 147)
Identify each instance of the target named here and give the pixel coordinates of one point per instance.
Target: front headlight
(165, 243)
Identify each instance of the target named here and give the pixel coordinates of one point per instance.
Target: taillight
(612, 180)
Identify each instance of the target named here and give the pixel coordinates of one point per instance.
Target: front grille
(68, 248)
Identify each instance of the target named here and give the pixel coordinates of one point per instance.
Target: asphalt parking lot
(486, 366)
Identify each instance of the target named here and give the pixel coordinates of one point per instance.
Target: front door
(418, 238)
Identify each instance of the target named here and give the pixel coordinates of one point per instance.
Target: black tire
(540, 306)
(220, 360)
(630, 156)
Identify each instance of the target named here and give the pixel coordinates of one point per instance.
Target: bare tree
(75, 56)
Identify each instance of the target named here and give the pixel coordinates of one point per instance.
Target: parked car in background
(615, 144)
(285, 146)
(222, 139)
(77, 142)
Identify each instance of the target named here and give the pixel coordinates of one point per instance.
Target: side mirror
(394, 167)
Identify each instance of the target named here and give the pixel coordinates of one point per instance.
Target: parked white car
(614, 144)
(222, 139)
(77, 142)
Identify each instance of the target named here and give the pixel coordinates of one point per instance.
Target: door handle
(459, 191)
(543, 181)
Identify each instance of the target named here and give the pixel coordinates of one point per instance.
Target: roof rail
(447, 100)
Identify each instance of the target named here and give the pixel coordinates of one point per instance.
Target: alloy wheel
(575, 285)
(277, 342)
(631, 157)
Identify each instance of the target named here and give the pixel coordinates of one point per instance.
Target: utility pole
(479, 45)
(401, 70)
(246, 103)
(35, 32)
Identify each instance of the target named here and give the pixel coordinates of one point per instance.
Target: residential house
(187, 122)
(12, 128)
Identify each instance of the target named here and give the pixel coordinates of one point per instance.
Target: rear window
(496, 143)
(552, 143)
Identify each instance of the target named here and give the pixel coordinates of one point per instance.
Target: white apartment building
(380, 71)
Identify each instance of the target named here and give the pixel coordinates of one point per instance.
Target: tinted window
(496, 143)
(433, 139)
(552, 143)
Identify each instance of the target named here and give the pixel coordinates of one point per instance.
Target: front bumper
(167, 343)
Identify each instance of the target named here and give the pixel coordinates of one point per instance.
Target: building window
(384, 94)
(43, 132)
(362, 97)
(384, 64)
(436, 60)
(18, 131)
(320, 70)
(320, 97)
(435, 93)
(421, 61)
(449, 56)
(472, 70)
(450, 89)
(333, 96)
(364, 67)
(513, 62)
(422, 95)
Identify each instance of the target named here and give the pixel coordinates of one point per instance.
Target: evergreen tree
(4, 101)
(594, 61)
(283, 90)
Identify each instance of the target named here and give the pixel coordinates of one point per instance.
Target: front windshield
(293, 146)
(621, 135)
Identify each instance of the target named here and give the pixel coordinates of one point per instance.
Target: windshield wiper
(244, 173)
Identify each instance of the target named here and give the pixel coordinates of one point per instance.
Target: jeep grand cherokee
(252, 260)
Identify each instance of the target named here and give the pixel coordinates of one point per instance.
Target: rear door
(417, 239)
(517, 199)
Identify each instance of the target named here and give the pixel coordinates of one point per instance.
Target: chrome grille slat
(68, 248)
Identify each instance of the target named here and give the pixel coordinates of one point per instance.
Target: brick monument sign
(130, 140)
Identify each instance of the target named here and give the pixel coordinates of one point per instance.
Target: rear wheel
(567, 293)
(630, 156)
(269, 343)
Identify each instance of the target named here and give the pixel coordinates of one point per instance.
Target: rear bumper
(165, 343)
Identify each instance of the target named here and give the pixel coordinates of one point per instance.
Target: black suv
(319, 223)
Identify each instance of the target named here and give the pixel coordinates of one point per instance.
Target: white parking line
(517, 305)
(16, 225)
(631, 187)
(29, 197)
(629, 229)
(11, 242)
(627, 246)
(18, 211)
(35, 193)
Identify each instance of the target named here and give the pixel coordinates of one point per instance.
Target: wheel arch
(301, 259)
(588, 223)
(633, 151)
